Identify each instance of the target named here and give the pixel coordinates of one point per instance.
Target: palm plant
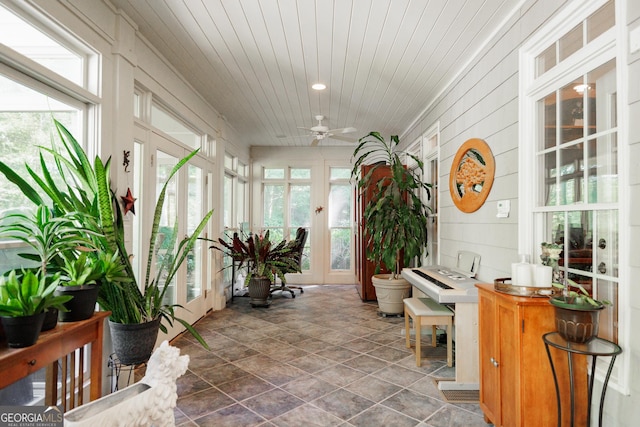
(87, 192)
(51, 239)
(396, 219)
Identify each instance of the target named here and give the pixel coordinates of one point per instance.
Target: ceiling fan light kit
(320, 132)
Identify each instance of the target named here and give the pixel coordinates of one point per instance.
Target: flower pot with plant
(81, 279)
(51, 241)
(396, 220)
(264, 261)
(24, 299)
(577, 312)
(87, 191)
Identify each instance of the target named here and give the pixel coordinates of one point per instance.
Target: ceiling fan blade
(343, 138)
(343, 130)
(315, 142)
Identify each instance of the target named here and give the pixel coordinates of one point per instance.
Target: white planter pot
(390, 293)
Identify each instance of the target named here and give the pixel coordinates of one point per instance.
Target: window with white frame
(31, 99)
(45, 74)
(235, 203)
(570, 94)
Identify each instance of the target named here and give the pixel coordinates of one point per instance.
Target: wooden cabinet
(516, 382)
(365, 268)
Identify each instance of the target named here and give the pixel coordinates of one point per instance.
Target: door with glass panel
(286, 206)
(292, 197)
(185, 205)
(339, 235)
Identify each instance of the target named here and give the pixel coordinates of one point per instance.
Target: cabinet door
(509, 364)
(489, 334)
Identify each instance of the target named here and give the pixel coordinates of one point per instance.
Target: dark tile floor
(324, 358)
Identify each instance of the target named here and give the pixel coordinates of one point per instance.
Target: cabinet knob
(32, 362)
(495, 363)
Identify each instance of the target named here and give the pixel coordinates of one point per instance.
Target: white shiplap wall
(483, 103)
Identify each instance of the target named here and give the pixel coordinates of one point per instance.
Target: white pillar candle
(521, 274)
(543, 276)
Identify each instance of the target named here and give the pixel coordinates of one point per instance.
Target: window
(56, 86)
(174, 127)
(28, 40)
(235, 204)
(572, 99)
(28, 104)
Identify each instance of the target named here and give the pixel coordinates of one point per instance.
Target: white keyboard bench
(425, 312)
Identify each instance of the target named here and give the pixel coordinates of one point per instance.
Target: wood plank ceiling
(254, 61)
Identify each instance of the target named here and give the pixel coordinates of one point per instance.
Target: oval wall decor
(471, 175)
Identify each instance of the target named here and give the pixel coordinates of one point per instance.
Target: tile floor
(324, 358)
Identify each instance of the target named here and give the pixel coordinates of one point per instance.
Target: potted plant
(81, 278)
(264, 261)
(577, 312)
(52, 241)
(87, 191)
(24, 299)
(395, 220)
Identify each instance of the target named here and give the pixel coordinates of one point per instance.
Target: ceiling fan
(320, 132)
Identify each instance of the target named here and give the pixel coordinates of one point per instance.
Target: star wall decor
(128, 202)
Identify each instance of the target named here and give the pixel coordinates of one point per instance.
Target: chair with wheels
(299, 242)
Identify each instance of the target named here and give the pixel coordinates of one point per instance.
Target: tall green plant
(396, 218)
(87, 191)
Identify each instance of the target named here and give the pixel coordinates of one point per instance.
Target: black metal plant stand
(594, 348)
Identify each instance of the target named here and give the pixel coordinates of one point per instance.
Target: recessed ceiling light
(319, 86)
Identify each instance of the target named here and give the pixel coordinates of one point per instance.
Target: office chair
(300, 240)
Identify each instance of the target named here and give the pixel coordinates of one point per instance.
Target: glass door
(184, 207)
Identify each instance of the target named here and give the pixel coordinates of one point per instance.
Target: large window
(29, 102)
(55, 80)
(575, 177)
(235, 206)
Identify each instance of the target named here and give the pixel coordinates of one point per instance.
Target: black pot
(133, 343)
(82, 305)
(22, 331)
(50, 319)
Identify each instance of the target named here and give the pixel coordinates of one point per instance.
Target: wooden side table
(594, 348)
(65, 338)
